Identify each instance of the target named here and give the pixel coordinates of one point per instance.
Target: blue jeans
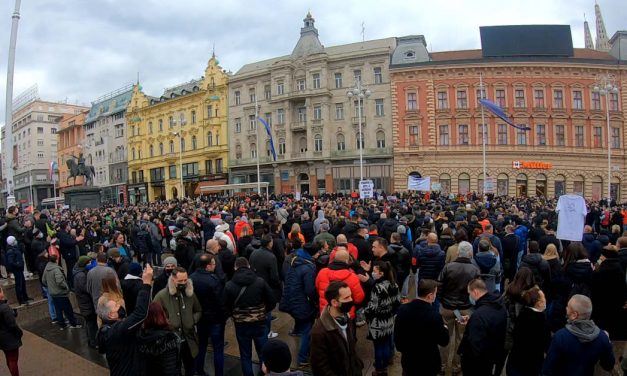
(63, 307)
(303, 327)
(383, 350)
(216, 332)
(51, 310)
(247, 334)
(268, 322)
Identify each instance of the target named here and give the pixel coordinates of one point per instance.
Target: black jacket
(257, 292)
(402, 261)
(429, 259)
(185, 252)
(509, 258)
(209, 289)
(539, 267)
(226, 263)
(263, 262)
(130, 290)
(83, 298)
(120, 339)
(67, 246)
(418, 331)
(307, 229)
(532, 338)
(609, 294)
(546, 240)
(454, 279)
(14, 228)
(593, 246)
(579, 276)
(10, 332)
(483, 344)
(299, 292)
(159, 349)
(364, 249)
(14, 259)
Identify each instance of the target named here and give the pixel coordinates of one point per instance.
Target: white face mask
(376, 276)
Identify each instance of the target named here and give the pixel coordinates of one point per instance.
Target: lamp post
(30, 182)
(180, 136)
(361, 93)
(605, 87)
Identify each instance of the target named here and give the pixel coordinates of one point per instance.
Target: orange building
(549, 87)
(70, 137)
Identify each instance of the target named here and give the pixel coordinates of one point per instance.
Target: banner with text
(415, 183)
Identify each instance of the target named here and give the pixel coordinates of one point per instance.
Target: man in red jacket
(339, 270)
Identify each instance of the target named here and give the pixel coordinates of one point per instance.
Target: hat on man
(276, 356)
(135, 269)
(83, 261)
(113, 253)
(170, 260)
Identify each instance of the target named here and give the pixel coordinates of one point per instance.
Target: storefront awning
(210, 186)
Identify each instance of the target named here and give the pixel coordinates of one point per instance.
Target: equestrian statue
(77, 167)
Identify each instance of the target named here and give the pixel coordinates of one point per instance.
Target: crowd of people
(495, 289)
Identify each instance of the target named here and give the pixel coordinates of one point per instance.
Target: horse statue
(77, 167)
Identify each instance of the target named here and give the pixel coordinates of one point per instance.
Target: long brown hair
(157, 318)
(110, 285)
(386, 268)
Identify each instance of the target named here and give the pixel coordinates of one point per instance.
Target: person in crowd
(580, 345)
(158, 344)
(429, 258)
(118, 262)
(621, 244)
(58, 288)
(119, 242)
(488, 234)
(538, 265)
(131, 284)
(15, 265)
(333, 342)
(96, 275)
(380, 312)
(185, 250)
(68, 247)
(340, 270)
(248, 300)
(452, 252)
(323, 236)
(487, 260)
(161, 281)
(360, 240)
(245, 237)
(277, 359)
(118, 338)
(513, 299)
(590, 242)
(183, 311)
(531, 336)
(454, 301)
(85, 303)
(10, 336)
(263, 262)
(482, 347)
(578, 269)
(446, 239)
(609, 294)
(209, 288)
(110, 290)
(510, 244)
(402, 263)
(419, 330)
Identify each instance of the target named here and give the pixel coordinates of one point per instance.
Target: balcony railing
(355, 120)
(299, 126)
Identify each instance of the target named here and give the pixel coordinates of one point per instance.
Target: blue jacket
(593, 246)
(299, 290)
(430, 260)
(522, 232)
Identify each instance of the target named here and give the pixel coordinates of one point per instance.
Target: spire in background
(587, 34)
(602, 43)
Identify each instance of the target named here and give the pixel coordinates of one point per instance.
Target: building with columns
(549, 87)
(314, 124)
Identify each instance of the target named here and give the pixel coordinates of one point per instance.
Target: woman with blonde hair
(296, 233)
(111, 291)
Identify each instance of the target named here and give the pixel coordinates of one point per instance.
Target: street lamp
(30, 182)
(180, 136)
(605, 86)
(361, 93)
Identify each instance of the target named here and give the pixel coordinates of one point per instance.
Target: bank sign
(532, 165)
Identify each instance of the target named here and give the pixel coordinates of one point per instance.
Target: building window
(412, 102)
(151, 151)
(219, 165)
(502, 134)
(613, 101)
(133, 153)
(378, 76)
(500, 97)
(194, 143)
(577, 100)
(238, 125)
(558, 98)
(338, 80)
(521, 137)
(615, 137)
(378, 105)
(413, 135)
(54, 130)
(598, 137)
(208, 167)
(380, 139)
(280, 88)
(182, 144)
(541, 134)
(150, 127)
(171, 146)
(462, 99)
(238, 98)
(360, 140)
(171, 121)
(444, 136)
(280, 114)
(40, 130)
(579, 135)
(315, 78)
(172, 170)
(238, 151)
(341, 142)
(317, 112)
(160, 125)
(252, 95)
(357, 75)
(300, 84)
(481, 134)
(182, 118)
(317, 143)
(40, 155)
(252, 122)
(281, 146)
(40, 142)
(339, 111)
(267, 94)
(302, 114)
(253, 151)
(161, 148)
(268, 117)
(519, 98)
(442, 100)
(596, 101)
(538, 98)
(193, 117)
(190, 169)
(560, 135)
(463, 134)
(481, 94)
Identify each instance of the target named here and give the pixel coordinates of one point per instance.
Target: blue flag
(270, 136)
(498, 111)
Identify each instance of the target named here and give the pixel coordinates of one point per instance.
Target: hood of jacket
(493, 300)
(189, 287)
(588, 238)
(255, 243)
(579, 270)
(50, 266)
(244, 277)
(584, 330)
(485, 260)
(532, 259)
(320, 214)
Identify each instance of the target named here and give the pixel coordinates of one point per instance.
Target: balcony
(355, 121)
(299, 126)
(368, 152)
(251, 161)
(299, 155)
(136, 181)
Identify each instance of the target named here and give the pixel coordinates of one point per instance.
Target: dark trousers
(383, 351)
(12, 361)
(187, 359)
(63, 308)
(91, 324)
(247, 334)
(303, 327)
(20, 287)
(69, 264)
(216, 332)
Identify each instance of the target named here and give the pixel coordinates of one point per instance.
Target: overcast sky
(79, 50)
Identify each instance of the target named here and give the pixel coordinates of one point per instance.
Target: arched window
(253, 151)
(209, 138)
(579, 185)
(133, 154)
(463, 183)
(302, 143)
(445, 184)
(318, 143)
(139, 153)
(171, 146)
(360, 140)
(151, 151)
(521, 185)
(380, 139)
(217, 139)
(161, 148)
(541, 187)
(597, 188)
(502, 185)
(341, 142)
(268, 149)
(560, 185)
(194, 143)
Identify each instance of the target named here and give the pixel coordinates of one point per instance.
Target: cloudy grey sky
(78, 50)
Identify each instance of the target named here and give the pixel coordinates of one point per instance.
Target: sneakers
(77, 326)
(272, 335)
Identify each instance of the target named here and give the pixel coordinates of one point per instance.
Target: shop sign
(531, 165)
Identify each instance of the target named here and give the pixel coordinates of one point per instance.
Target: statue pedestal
(82, 197)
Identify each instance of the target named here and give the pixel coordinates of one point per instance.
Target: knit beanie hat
(135, 269)
(170, 260)
(83, 261)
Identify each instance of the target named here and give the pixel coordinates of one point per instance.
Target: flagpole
(257, 148)
(483, 134)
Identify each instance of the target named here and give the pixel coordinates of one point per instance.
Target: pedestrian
(58, 288)
(110, 290)
(333, 341)
(158, 344)
(118, 262)
(15, 266)
(418, 331)
(96, 275)
(340, 270)
(131, 284)
(161, 281)
(277, 359)
(10, 335)
(85, 304)
(263, 262)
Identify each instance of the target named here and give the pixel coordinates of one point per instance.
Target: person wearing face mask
(580, 345)
(419, 320)
(333, 341)
(531, 336)
(183, 310)
(482, 349)
(161, 281)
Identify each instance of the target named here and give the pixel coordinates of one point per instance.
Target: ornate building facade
(314, 124)
(70, 141)
(178, 137)
(438, 120)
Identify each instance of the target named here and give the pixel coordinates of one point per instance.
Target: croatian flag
(53, 166)
(265, 124)
(498, 111)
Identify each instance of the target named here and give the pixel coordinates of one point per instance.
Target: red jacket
(339, 272)
(352, 250)
(239, 226)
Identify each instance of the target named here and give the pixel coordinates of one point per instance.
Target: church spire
(602, 42)
(587, 34)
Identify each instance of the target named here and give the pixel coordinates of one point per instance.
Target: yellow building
(178, 138)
